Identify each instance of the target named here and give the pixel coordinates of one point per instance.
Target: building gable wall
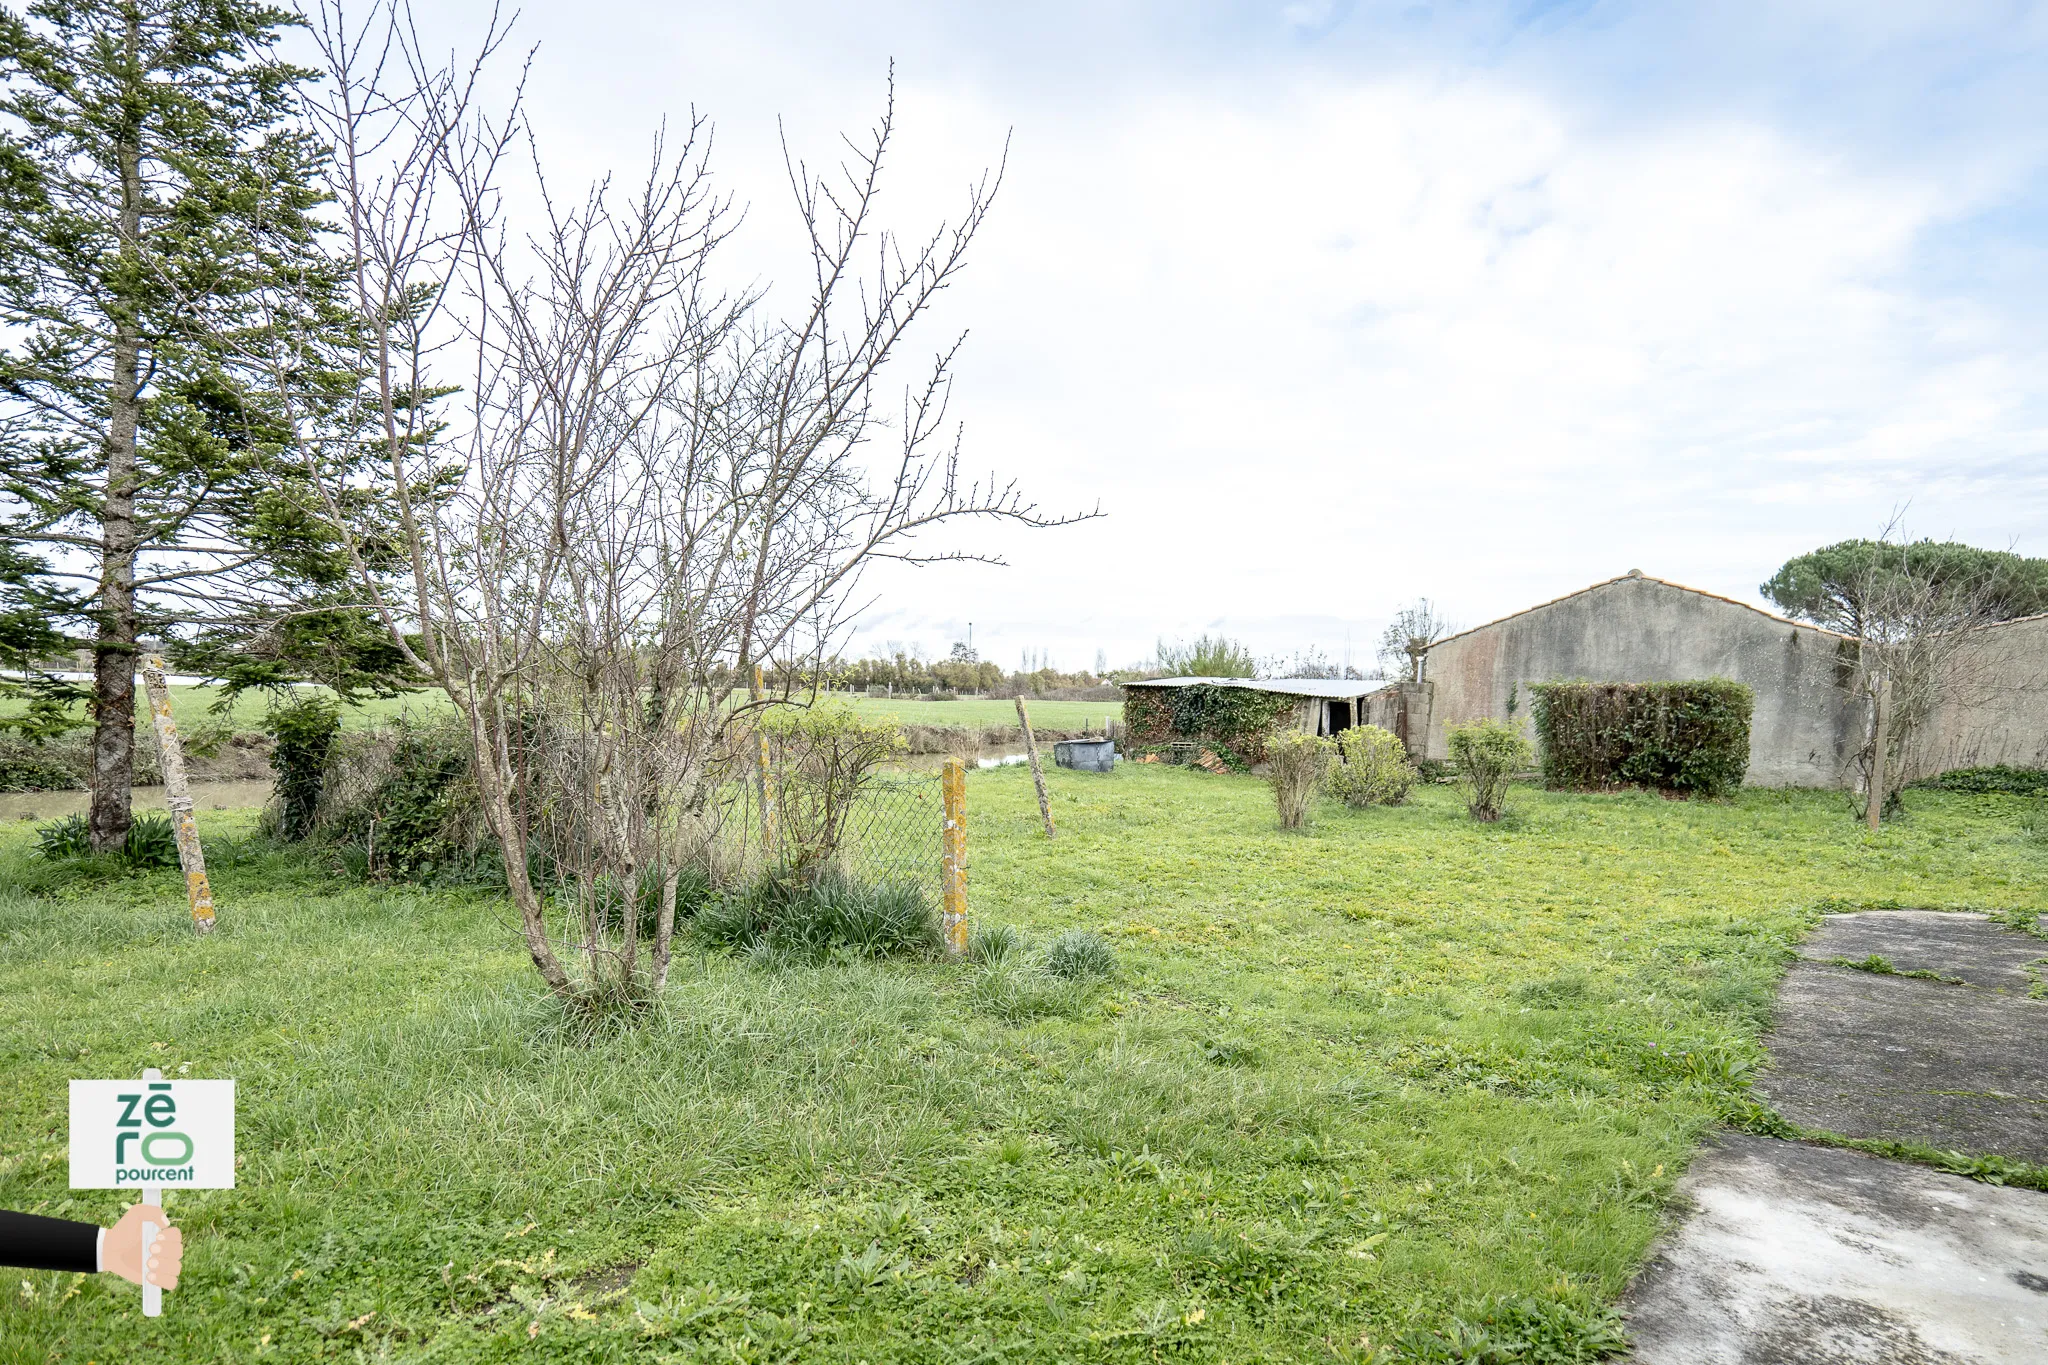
(1644, 630)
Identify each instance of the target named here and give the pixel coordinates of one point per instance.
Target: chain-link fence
(896, 831)
(892, 829)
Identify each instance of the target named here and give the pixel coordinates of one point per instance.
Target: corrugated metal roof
(1293, 687)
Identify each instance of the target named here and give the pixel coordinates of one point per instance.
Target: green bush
(303, 733)
(1673, 736)
(30, 764)
(1488, 753)
(1374, 769)
(1078, 955)
(70, 837)
(405, 800)
(2009, 780)
(826, 756)
(152, 842)
(1297, 766)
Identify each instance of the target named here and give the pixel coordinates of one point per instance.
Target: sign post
(148, 1135)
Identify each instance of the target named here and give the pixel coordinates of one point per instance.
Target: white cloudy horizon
(1331, 306)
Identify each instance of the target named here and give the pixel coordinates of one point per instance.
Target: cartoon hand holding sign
(150, 1133)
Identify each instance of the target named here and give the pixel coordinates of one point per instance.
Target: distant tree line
(906, 674)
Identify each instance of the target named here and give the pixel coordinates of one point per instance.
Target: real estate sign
(152, 1133)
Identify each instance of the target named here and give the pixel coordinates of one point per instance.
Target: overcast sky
(1330, 306)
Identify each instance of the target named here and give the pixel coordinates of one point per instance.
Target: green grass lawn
(1348, 1084)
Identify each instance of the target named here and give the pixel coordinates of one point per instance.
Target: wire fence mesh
(893, 831)
(896, 832)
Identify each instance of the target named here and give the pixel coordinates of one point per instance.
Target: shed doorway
(1339, 717)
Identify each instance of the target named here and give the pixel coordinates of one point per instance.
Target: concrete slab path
(1972, 948)
(1801, 1255)
(1958, 1067)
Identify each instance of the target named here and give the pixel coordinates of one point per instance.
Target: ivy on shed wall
(1239, 718)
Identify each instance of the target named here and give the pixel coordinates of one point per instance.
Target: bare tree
(1916, 651)
(645, 486)
(1413, 630)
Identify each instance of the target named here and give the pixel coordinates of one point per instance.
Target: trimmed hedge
(1675, 736)
(1238, 718)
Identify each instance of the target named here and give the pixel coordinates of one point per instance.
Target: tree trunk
(1881, 723)
(495, 797)
(113, 660)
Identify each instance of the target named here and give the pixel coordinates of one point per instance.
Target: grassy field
(1398, 1074)
(193, 706)
(981, 711)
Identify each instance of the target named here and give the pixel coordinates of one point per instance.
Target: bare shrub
(1297, 766)
(1488, 753)
(1915, 652)
(1412, 631)
(611, 492)
(1374, 770)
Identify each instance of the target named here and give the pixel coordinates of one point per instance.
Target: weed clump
(1018, 994)
(2000, 778)
(811, 914)
(1566, 988)
(152, 841)
(1078, 955)
(993, 945)
(1524, 1331)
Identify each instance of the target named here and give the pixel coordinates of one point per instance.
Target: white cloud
(1321, 342)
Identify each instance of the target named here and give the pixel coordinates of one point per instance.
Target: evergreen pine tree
(157, 212)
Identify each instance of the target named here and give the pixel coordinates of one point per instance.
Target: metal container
(1085, 755)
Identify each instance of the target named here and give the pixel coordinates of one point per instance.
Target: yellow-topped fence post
(171, 755)
(953, 785)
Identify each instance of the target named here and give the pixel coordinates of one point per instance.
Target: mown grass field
(1349, 1084)
(983, 711)
(194, 707)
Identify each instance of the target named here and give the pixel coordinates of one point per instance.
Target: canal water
(206, 796)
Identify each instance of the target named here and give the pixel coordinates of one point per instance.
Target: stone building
(1810, 717)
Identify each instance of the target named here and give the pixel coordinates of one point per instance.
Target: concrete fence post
(953, 787)
(178, 796)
